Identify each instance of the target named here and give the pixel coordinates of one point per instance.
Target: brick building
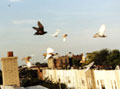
(63, 62)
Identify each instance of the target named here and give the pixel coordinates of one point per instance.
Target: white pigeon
(64, 37)
(49, 53)
(101, 32)
(28, 64)
(27, 60)
(56, 33)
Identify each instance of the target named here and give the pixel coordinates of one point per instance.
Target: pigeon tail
(64, 39)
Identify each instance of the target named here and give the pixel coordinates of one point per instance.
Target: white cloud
(15, 0)
(29, 21)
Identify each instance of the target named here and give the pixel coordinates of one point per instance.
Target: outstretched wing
(88, 66)
(102, 29)
(50, 50)
(35, 28)
(40, 26)
(48, 56)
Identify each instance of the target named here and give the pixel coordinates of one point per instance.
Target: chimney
(10, 54)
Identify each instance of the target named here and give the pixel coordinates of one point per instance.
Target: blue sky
(80, 19)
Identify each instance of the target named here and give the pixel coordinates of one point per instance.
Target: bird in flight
(101, 32)
(49, 53)
(39, 29)
(56, 33)
(27, 60)
(64, 37)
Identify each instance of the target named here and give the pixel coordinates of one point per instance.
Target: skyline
(79, 19)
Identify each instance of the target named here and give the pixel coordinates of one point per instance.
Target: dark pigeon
(39, 29)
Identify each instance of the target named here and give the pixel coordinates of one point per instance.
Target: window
(90, 83)
(51, 77)
(115, 84)
(83, 82)
(98, 84)
(102, 84)
(40, 70)
(65, 61)
(61, 61)
(112, 84)
(55, 63)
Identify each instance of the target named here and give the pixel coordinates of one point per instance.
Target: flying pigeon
(56, 33)
(64, 37)
(39, 29)
(101, 32)
(49, 53)
(27, 60)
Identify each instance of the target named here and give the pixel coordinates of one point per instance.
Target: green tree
(113, 58)
(101, 57)
(104, 57)
(37, 63)
(28, 77)
(76, 62)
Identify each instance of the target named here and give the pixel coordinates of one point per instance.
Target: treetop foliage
(104, 57)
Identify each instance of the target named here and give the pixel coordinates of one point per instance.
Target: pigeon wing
(49, 50)
(88, 66)
(102, 29)
(47, 57)
(35, 28)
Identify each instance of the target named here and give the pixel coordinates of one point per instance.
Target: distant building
(63, 62)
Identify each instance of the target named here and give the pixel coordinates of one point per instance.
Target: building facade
(63, 62)
(10, 72)
(79, 79)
